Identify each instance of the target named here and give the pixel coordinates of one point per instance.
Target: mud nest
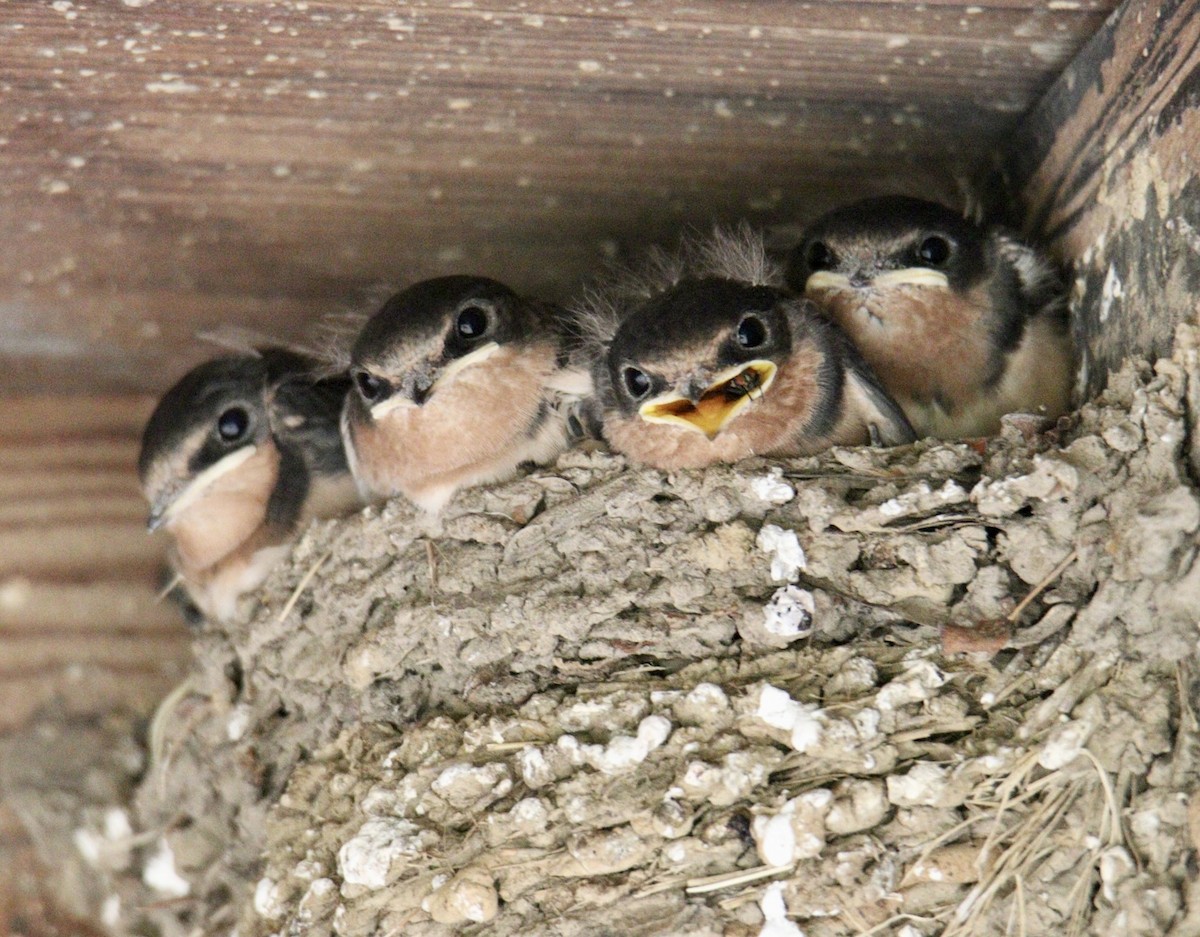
(942, 689)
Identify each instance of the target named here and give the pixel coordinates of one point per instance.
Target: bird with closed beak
(458, 381)
(962, 322)
(235, 457)
(702, 357)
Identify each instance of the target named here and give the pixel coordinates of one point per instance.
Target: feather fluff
(1040, 281)
(737, 253)
(334, 333)
(238, 339)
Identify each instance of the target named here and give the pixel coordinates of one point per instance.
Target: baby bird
(962, 323)
(457, 382)
(235, 457)
(704, 358)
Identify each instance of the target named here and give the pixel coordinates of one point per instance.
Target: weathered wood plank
(80, 622)
(41, 608)
(1105, 170)
(170, 166)
(39, 654)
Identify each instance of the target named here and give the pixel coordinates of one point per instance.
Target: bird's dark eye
(819, 256)
(934, 251)
(751, 332)
(232, 424)
(371, 387)
(472, 322)
(636, 382)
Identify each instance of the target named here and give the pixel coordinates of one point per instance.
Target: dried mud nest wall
(944, 689)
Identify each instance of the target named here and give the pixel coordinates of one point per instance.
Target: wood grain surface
(166, 166)
(80, 624)
(1106, 171)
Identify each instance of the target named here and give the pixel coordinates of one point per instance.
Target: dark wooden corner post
(1105, 171)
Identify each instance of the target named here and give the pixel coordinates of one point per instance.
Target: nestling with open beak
(962, 323)
(704, 358)
(235, 457)
(458, 381)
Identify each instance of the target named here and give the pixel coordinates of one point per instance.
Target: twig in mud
(1043, 585)
(1024, 850)
(301, 586)
(702, 886)
(1078, 897)
(158, 756)
(896, 919)
(431, 557)
(660, 886)
(1115, 834)
(1019, 906)
(168, 588)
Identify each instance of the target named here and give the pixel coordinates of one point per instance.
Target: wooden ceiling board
(167, 166)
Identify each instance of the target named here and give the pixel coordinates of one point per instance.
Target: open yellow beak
(724, 399)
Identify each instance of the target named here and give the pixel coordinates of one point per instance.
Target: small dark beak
(157, 518)
(859, 280)
(160, 507)
(416, 387)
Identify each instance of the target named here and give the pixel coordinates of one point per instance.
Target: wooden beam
(80, 623)
(169, 166)
(1105, 170)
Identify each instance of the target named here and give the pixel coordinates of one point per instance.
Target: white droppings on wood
(1112, 290)
(789, 613)
(159, 873)
(110, 911)
(802, 721)
(267, 903)
(1116, 865)
(787, 556)
(771, 487)
(775, 919)
(624, 752)
(366, 859)
(237, 722)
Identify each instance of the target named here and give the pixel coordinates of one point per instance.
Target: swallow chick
(704, 358)
(963, 323)
(235, 458)
(457, 382)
